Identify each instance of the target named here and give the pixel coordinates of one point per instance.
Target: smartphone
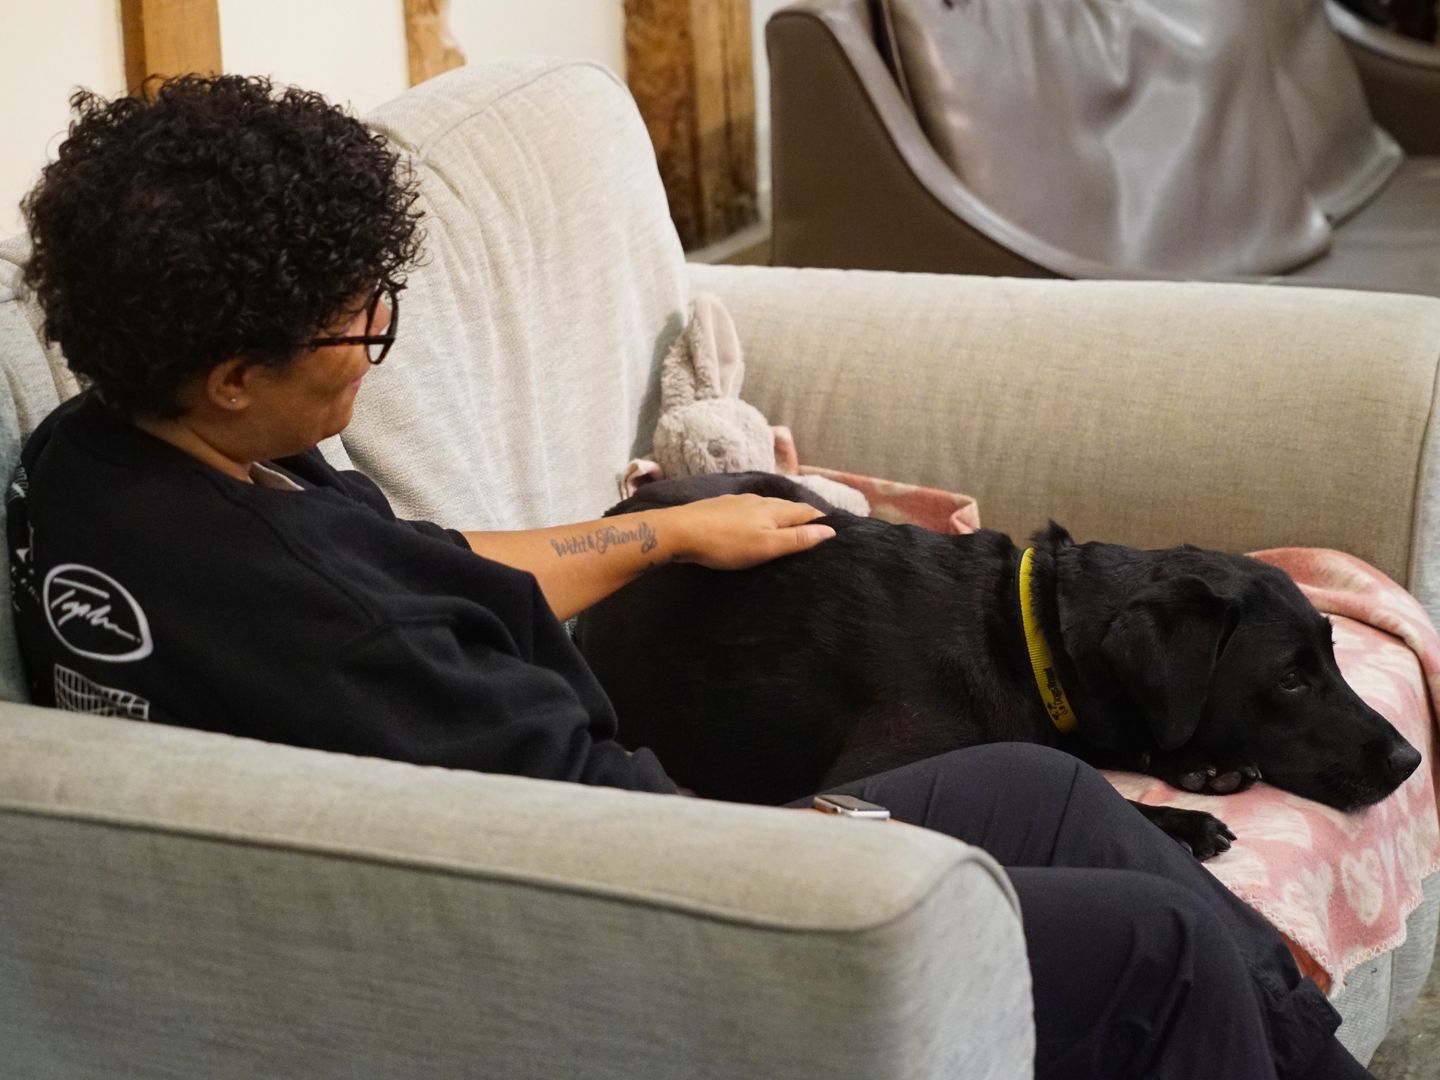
(850, 806)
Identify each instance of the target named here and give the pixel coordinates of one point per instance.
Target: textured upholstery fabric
(1142, 413)
(553, 287)
(195, 905)
(35, 381)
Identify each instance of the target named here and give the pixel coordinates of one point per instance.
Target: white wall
(354, 50)
(351, 51)
(46, 50)
(576, 29)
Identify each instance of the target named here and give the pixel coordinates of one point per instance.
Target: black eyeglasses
(377, 346)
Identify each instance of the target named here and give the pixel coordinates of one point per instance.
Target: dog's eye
(1292, 680)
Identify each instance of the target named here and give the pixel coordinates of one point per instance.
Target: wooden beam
(689, 66)
(169, 37)
(431, 47)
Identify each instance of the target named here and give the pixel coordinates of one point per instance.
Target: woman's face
(312, 398)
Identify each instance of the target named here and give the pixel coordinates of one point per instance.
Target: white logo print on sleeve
(93, 615)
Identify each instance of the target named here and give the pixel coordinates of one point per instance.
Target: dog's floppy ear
(1052, 536)
(1163, 646)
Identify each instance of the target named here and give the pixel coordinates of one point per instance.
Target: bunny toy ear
(718, 359)
(677, 371)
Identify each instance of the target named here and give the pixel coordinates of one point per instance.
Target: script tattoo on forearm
(606, 537)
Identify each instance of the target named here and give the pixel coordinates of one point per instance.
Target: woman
(222, 264)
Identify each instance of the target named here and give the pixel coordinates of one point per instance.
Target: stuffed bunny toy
(704, 427)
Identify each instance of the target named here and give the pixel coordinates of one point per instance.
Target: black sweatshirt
(148, 584)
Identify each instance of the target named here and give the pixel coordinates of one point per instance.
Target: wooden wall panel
(689, 66)
(431, 47)
(169, 37)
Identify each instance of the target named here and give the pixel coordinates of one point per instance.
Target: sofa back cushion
(1203, 139)
(525, 374)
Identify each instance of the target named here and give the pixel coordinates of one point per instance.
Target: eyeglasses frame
(387, 290)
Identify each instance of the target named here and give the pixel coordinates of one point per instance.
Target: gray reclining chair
(1088, 140)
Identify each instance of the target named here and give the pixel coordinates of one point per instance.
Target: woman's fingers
(797, 538)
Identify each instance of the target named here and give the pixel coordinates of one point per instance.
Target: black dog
(890, 643)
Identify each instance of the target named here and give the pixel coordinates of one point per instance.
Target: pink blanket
(1339, 886)
(909, 504)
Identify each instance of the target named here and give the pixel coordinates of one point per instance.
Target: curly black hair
(209, 218)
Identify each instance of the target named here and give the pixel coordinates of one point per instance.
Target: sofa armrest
(1236, 417)
(184, 903)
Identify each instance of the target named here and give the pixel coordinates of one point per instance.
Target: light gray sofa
(183, 904)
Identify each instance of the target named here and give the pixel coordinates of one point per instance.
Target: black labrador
(890, 643)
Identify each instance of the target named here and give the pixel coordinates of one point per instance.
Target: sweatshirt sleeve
(432, 693)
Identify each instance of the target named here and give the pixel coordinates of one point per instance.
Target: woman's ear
(227, 385)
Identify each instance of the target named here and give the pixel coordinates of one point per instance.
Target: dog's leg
(1204, 834)
(1203, 773)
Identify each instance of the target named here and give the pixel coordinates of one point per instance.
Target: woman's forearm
(579, 565)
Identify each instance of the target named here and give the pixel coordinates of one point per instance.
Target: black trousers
(1142, 963)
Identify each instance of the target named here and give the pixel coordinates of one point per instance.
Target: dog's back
(764, 684)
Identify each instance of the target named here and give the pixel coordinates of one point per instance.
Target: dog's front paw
(1205, 774)
(1203, 835)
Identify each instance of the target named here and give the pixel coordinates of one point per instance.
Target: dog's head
(1224, 654)
(1278, 694)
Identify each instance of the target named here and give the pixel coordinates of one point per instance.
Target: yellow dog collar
(1041, 662)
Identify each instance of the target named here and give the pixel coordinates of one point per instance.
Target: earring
(232, 401)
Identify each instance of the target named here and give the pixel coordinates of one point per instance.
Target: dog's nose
(1401, 761)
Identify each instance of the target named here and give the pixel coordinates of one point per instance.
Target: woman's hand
(731, 532)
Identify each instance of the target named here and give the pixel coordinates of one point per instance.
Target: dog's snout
(1401, 762)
